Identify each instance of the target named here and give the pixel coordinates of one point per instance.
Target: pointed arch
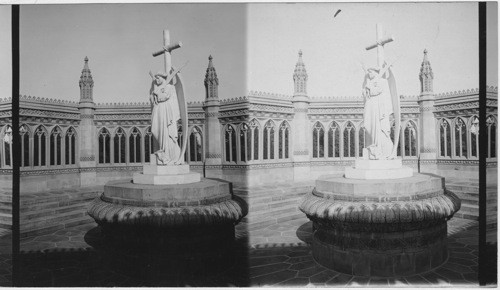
(349, 139)
(55, 144)
(6, 148)
(473, 130)
(401, 139)
(268, 140)
(333, 140)
(491, 131)
(70, 143)
(40, 140)
(230, 143)
(243, 142)
(284, 140)
(180, 138)
(444, 138)
(410, 139)
(196, 144)
(254, 133)
(460, 137)
(119, 140)
(25, 133)
(361, 139)
(134, 145)
(148, 144)
(318, 140)
(104, 139)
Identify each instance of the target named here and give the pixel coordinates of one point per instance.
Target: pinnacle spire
(211, 80)
(300, 77)
(86, 82)
(426, 75)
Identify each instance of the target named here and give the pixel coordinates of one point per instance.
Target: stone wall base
(386, 254)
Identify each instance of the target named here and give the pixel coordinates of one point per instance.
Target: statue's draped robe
(164, 119)
(378, 108)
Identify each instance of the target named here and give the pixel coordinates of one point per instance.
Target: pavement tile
(436, 279)
(323, 276)
(448, 273)
(459, 250)
(466, 256)
(417, 280)
(303, 265)
(462, 262)
(299, 259)
(294, 282)
(397, 282)
(359, 281)
(308, 272)
(471, 277)
(263, 270)
(340, 280)
(379, 282)
(262, 252)
(273, 278)
(300, 253)
(51, 238)
(260, 261)
(457, 268)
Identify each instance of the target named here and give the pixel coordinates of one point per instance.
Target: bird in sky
(336, 13)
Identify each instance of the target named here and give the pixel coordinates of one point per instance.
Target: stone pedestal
(380, 227)
(378, 169)
(161, 174)
(160, 221)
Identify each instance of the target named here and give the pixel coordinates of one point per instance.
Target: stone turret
(427, 136)
(300, 78)
(300, 121)
(87, 129)
(211, 82)
(211, 106)
(86, 83)
(426, 76)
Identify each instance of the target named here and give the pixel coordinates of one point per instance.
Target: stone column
(301, 134)
(213, 141)
(427, 124)
(87, 131)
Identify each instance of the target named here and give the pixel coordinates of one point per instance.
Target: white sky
(332, 47)
(5, 52)
(254, 46)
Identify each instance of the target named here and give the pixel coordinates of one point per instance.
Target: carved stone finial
(426, 75)
(300, 77)
(211, 81)
(86, 82)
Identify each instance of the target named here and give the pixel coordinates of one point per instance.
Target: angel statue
(381, 101)
(164, 116)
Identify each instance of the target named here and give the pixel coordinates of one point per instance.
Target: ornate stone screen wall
(258, 138)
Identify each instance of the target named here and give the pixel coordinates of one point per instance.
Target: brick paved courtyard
(278, 255)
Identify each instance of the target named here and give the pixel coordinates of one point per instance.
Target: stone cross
(167, 48)
(380, 45)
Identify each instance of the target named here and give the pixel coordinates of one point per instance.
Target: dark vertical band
(483, 140)
(16, 145)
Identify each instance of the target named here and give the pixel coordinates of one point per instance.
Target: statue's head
(159, 78)
(372, 72)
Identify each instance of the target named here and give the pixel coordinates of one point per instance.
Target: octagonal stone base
(158, 232)
(386, 228)
(378, 169)
(382, 254)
